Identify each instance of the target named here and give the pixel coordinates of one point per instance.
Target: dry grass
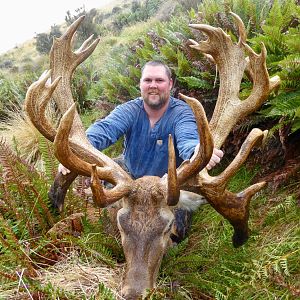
(75, 276)
(83, 278)
(17, 130)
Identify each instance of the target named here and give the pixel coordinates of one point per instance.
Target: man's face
(155, 86)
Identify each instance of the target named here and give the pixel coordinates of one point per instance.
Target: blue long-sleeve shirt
(146, 148)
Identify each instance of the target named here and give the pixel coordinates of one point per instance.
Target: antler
(231, 62)
(72, 148)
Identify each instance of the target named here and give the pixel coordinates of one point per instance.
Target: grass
(266, 267)
(205, 265)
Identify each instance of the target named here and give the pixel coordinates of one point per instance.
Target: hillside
(25, 54)
(78, 254)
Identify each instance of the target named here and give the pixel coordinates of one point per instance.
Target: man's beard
(157, 105)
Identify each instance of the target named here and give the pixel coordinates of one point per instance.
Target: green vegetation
(205, 265)
(44, 40)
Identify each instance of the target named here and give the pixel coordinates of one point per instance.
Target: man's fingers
(215, 158)
(63, 170)
(218, 152)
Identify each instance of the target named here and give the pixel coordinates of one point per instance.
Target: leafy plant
(44, 40)
(279, 34)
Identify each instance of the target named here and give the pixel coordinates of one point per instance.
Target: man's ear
(171, 84)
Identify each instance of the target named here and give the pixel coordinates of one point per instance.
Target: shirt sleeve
(107, 131)
(186, 133)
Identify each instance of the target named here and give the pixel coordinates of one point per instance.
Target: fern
(48, 158)
(195, 83)
(12, 249)
(104, 293)
(169, 52)
(285, 104)
(183, 65)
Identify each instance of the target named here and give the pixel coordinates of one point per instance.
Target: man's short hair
(156, 63)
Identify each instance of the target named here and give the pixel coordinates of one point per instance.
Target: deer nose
(131, 294)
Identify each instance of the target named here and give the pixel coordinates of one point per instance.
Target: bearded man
(146, 123)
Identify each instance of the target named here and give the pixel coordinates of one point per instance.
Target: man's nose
(153, 83)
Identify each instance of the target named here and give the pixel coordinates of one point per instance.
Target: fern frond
(285, 104)
(195, 83)
(105, 293)
(12, 248)
(168, 52)
(49, 161)
(291, 61)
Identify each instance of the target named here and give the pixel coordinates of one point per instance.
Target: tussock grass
(19, 132)
(18, 129)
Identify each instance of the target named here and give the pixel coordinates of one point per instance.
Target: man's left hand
(215, 158)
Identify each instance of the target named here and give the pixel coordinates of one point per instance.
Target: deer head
(146, 216)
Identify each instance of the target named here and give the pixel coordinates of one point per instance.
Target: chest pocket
(161, 144)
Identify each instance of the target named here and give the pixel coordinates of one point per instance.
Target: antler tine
(69, 159)
(241, 27)
(85, 51)
(173, 188)
(190, 168)
(72, 29)
(212, 34)
(65, 155)
(61, 145)
(85, 44)
(103, 197)
(254, 138)
(36, 101)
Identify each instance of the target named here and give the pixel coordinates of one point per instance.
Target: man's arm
(107, 131)
(187, 138)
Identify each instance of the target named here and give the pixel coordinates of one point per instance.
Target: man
(146, 123)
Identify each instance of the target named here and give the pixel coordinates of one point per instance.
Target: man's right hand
(63, 170)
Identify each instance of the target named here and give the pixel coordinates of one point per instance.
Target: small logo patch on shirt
(159, 142)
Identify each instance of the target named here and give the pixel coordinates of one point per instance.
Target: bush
(44, 40)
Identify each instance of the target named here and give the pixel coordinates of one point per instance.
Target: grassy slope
(206, 266)
(266, 267)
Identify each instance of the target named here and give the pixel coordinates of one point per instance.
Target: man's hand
(63, 170)
(215, 158)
